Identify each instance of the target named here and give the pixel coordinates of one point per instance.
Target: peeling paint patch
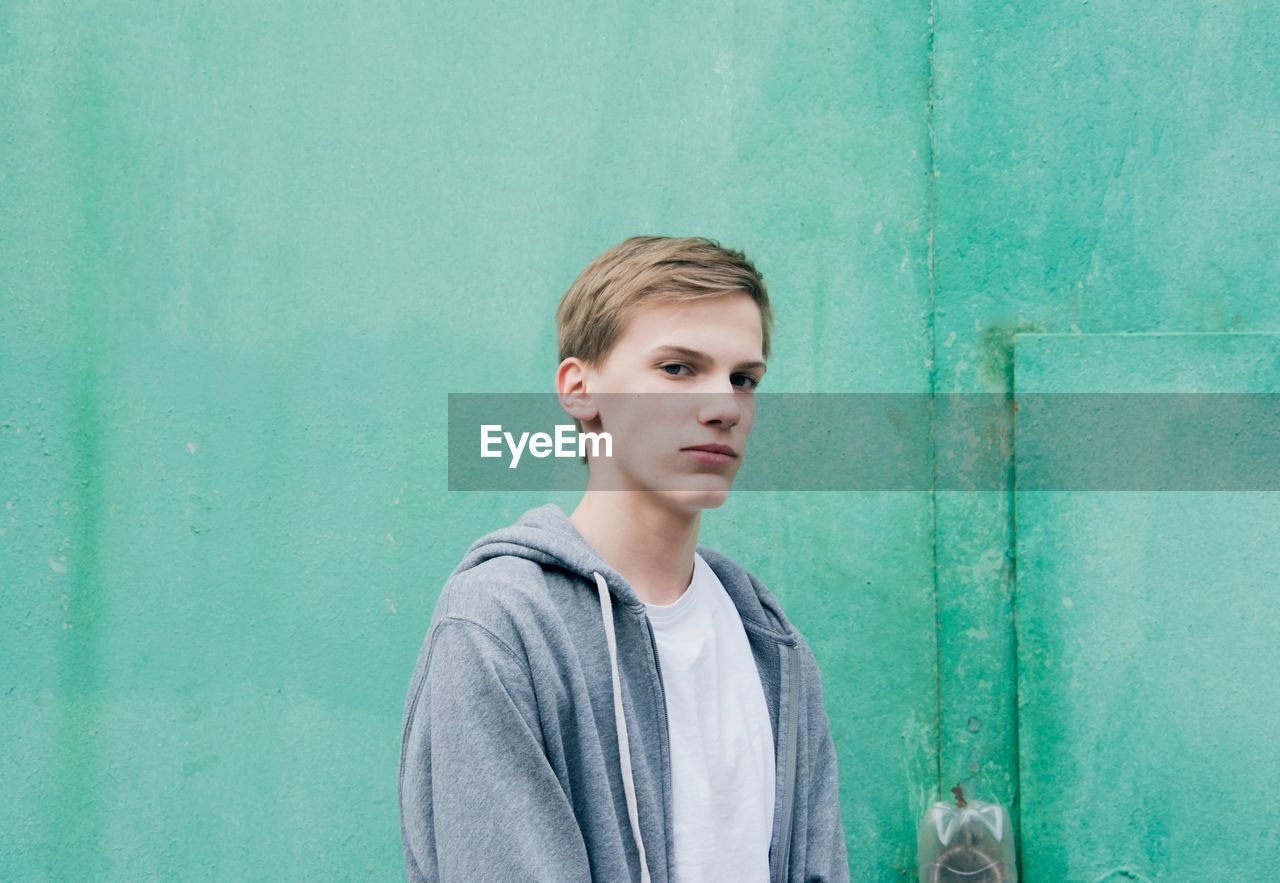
(995, 349)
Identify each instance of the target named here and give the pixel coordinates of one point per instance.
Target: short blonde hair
(649, 270)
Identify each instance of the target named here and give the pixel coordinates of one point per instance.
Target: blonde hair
(648, 270)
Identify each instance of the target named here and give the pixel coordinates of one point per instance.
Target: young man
(600, 698)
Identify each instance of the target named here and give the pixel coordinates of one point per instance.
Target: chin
(697, 499)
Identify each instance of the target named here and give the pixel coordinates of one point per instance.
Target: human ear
(571, 388)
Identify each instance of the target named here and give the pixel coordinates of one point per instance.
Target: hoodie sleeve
(478, 797)
(826, 856)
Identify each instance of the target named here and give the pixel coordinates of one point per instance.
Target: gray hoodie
(535, 728)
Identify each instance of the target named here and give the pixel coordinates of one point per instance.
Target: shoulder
(506, 595)
(491, 587)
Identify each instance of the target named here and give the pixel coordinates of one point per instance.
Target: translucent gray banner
(875, 441)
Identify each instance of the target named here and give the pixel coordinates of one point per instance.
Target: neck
(651, 545)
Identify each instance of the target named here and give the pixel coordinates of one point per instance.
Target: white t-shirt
(722, 768)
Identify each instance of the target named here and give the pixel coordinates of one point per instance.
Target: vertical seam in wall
(78, 766)
(1015, 771)
(933, 375)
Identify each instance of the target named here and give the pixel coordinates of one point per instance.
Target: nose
(717, 408)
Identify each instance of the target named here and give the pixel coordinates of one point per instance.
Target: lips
(711, 455)
(715, 449)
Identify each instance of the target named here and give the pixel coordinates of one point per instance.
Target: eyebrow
(701, 357)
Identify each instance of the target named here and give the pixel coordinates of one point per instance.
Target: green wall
(1100, 168)
(249, 249)
(1105, 168)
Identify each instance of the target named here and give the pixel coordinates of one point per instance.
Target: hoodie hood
(546, 535)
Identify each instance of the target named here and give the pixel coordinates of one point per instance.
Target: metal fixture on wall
(971, 842)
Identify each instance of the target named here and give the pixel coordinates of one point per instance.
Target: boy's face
(681, 376)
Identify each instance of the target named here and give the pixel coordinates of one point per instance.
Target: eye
(751, 383)
(677, 366)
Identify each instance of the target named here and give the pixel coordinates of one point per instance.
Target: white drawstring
(620, 721)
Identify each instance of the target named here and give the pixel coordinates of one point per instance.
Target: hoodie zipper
(662, 692)
(789, 767)
(662, 708)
